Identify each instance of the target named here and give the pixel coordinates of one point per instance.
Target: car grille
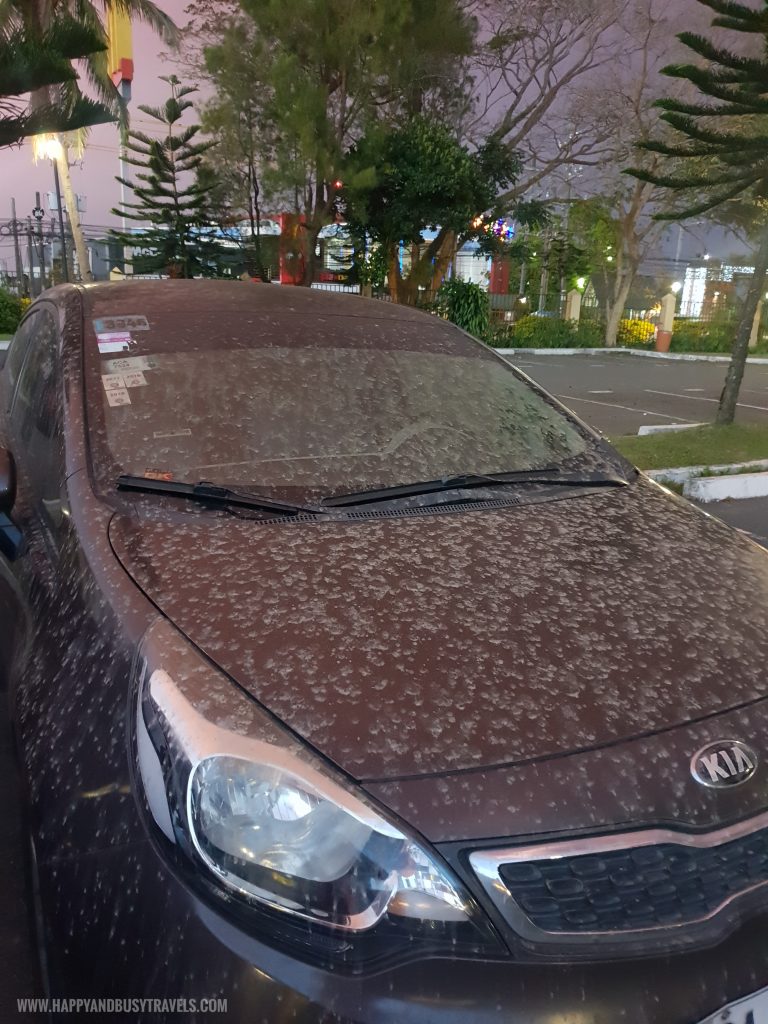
(627, 890)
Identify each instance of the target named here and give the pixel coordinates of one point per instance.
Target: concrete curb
(718, 488)
(681, 356)
(731, 483)
(666, 428)
(681, 474)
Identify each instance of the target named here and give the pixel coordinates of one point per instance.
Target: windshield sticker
(118, 396)
(114, 342)
(112, 381)
(136, 379)
(161, 434)
(156, 474)
(109, 324)
(128, 363)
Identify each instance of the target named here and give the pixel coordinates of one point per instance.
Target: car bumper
(120, 924)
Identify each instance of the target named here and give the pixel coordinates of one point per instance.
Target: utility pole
(64, 257)
(38, 213)
(32, 290)
(16, 250)
(120, 67)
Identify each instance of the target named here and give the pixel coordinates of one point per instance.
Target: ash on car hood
(405, 646)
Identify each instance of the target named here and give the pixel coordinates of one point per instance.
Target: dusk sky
(96, 179)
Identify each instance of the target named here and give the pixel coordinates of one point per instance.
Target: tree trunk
(311, 234)
(615, 308)
(74, 217)
(443, 260)
(726, 410)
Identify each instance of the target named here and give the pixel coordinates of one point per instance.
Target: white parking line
(697, 398)
(694, 389)
(599, 392)
(628, 408)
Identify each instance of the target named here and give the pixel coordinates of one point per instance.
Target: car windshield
(346, 404)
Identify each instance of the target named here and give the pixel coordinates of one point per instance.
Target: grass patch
(5, 337)
(700, 446)
(736, 472)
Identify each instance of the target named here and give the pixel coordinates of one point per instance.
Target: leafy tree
(320, 76)
(27, 64)
(171, 196)
(719, 153)
(243, 137)
(400, 181)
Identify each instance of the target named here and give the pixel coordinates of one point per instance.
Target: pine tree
(171, 197)
(719, 155)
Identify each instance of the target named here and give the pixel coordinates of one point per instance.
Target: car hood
(401, 646)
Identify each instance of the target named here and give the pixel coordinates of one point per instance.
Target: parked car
(355, 679)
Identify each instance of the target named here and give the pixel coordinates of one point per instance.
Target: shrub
(696, 336)
(464, 304)
(542, 332)
(588, 334)
(546, 332)
(635, 334)
(10, 312)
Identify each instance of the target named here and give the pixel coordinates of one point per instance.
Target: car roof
(189, 297)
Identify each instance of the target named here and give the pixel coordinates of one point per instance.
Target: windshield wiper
(212, 494)
(550, 475)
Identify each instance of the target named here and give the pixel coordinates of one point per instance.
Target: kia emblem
(724, 763)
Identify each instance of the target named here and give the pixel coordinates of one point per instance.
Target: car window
(35, 414)
(18, 349)
(344, 404)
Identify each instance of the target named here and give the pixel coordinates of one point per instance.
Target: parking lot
(619, 393)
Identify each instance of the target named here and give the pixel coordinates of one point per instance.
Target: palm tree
(37, 18)
(26, 65)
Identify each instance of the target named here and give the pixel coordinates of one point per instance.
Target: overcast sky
(20, 177)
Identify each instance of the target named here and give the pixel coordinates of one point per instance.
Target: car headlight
(271, 823)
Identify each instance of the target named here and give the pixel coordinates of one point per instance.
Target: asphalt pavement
(619, 393)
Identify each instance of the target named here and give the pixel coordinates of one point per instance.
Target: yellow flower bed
(635, 332)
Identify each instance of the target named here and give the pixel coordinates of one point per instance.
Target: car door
(34, 437)
(11, 604)
(70, 681)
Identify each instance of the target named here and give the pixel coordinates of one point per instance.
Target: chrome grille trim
(486, 865)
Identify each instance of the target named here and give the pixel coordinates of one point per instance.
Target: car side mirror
(7, 481)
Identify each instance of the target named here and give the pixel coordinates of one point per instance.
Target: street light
(675, 287)
(49, 147)
(580, 283)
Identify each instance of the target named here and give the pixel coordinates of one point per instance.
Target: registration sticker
(128, 363)
(107, 324)
(112, 381)
(118, 396)
(135, 379)
(118, 341)
(749, 1010)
